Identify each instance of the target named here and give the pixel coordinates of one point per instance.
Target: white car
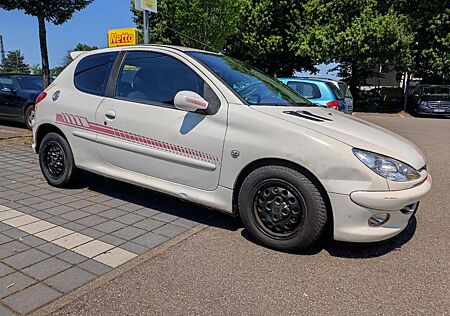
(209, 129)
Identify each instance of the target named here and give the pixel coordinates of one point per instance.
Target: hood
(351, 131)
(435, 97)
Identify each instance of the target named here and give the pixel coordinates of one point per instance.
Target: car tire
(57, 162)
(281, 208)
(29, 116)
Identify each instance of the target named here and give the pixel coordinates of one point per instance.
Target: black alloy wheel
(54, 159)
(279, 209)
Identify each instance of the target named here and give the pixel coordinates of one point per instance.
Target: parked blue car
(321, 92)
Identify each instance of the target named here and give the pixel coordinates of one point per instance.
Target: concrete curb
(72, 296)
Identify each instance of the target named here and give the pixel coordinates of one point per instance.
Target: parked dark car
(431, 100)
(18, 94)
(367, 100)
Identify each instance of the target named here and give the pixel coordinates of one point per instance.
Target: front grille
(439, 104)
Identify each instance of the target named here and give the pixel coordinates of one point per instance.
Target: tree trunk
(44, 52)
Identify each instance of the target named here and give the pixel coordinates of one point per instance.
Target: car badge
(55, 95)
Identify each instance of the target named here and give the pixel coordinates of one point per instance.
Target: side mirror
(189, 101)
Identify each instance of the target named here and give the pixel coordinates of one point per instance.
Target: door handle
(110, 115)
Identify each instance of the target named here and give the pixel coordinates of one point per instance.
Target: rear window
(30, 83)
(92, 73)
(336, 91)
(307, 90)
(345, 90)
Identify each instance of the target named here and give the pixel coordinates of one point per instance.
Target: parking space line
(76, 242)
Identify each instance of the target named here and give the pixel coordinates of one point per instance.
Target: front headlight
(423, 104)
(386, 167)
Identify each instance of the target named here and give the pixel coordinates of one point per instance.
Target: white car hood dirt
(350, 130)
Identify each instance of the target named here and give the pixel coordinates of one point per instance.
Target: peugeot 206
(212, 130)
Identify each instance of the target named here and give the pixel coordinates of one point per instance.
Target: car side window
(156, 78)
(6, 83)
(308, 90)
(92, 73)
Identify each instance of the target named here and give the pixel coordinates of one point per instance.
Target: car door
(146, 134)
(8, 98)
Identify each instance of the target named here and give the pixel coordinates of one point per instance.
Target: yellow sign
(122, 37)
(149, 5)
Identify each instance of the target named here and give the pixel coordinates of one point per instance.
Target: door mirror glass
(189, 101)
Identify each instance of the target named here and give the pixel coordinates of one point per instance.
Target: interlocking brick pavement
(53, 240)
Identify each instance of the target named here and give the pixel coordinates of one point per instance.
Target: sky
(88, 26)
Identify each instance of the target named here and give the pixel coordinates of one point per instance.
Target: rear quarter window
(337, 93)
(92, 73)
(308, 90)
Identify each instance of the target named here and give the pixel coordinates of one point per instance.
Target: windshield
(30, 83)
(345, 90)
(437, 90)
(250, 84)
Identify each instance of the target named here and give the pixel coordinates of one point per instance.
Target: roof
(18, 74)
(320, 78)
(299, 79)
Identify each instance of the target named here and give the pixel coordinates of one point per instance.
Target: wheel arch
(289, 164)
(27, 105)
(43, 130)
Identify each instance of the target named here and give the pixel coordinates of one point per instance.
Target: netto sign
(122, 37)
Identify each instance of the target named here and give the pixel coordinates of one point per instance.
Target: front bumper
(432, 111)
(351, 213)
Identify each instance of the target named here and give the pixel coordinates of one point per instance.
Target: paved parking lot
(8, 130)
(221, 271)
(53, 241)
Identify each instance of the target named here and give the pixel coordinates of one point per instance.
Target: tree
(53, 11)
(360, 35)
(14, 63)
(266, 34)
(430, 27)
(36, 69)
(201, 24)
(79, 47)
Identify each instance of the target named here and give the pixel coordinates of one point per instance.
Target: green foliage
(266, 35)
(201, 24)
(79, 47)
(36, 69)
(360, 35)
(14, 63)
(429, 23)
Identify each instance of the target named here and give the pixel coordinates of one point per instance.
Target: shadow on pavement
(158, 201)
(357, 250)
(184, 209)
(13, 124)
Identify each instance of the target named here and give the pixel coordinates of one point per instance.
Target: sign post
(146, 27)
(148, 6)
